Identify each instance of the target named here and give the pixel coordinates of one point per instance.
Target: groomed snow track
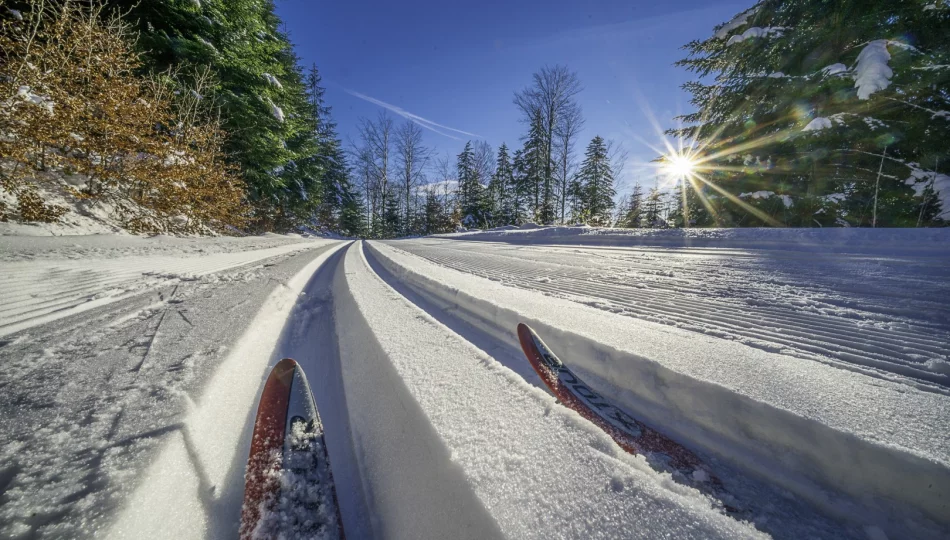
(438, 428)
(799, 425)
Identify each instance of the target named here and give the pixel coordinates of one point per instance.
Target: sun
(679, 165)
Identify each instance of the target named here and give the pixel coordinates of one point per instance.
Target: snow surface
(87, 399)
(835, 69)
(808, 368)
(824, 442)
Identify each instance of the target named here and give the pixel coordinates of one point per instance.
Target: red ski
(631, 434)
(289, 490)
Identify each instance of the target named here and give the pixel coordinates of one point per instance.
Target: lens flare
(679, 166)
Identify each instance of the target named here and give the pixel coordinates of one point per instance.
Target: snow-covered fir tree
(596, 180)
(831, 112)
(499, 189)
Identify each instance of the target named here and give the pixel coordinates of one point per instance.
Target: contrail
(426, 123)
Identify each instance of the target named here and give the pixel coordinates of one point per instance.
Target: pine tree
(534, 157)
(259, 87)
(596, 178)
(520, 190)
(499, 189)
(472, 198)
(653, 210)
(633, 214)
(809, 99)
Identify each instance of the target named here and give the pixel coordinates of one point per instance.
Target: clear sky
(458, 64)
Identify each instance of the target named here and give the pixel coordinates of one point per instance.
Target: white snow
(276, 111)
(828, 440)
(872, 72)
(835, 69)
(920, 179)
(756, 32)
(193, 476)
(818, 124)
(807, 368)
(44, 102)
(786, 200)
(737, 21)
(273, 81)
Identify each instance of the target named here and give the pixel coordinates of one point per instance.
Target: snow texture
(756, 32)
(276, 111)
(796, 430)
(88, 399)
(835, 69)
(547, 468)
(920, 179)
(737, 22)
(27, 95)
(273, 81)
(808, 368)
(872, 73)
(818, 124)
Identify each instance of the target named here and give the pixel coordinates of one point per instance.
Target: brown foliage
(73, 104)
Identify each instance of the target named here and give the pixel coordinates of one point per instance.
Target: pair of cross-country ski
(289, 490)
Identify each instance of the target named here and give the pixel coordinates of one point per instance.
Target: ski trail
(194, 487)
(798, 424)
(310, 338)
(539, 470)
(803, 318)
(34, 292)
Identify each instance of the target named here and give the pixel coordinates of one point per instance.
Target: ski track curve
(895, 323)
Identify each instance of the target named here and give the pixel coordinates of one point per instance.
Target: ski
(289, 490)
(630, 434)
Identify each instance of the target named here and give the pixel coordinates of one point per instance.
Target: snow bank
(872, 72)
(835, 69)
(480, 453)
(801, 424)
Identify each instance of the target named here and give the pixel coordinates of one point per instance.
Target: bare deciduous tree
(413, 159)
(549, 98)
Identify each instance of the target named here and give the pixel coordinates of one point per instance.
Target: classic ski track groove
(891, 351)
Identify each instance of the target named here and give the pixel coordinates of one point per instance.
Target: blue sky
(458, 64)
